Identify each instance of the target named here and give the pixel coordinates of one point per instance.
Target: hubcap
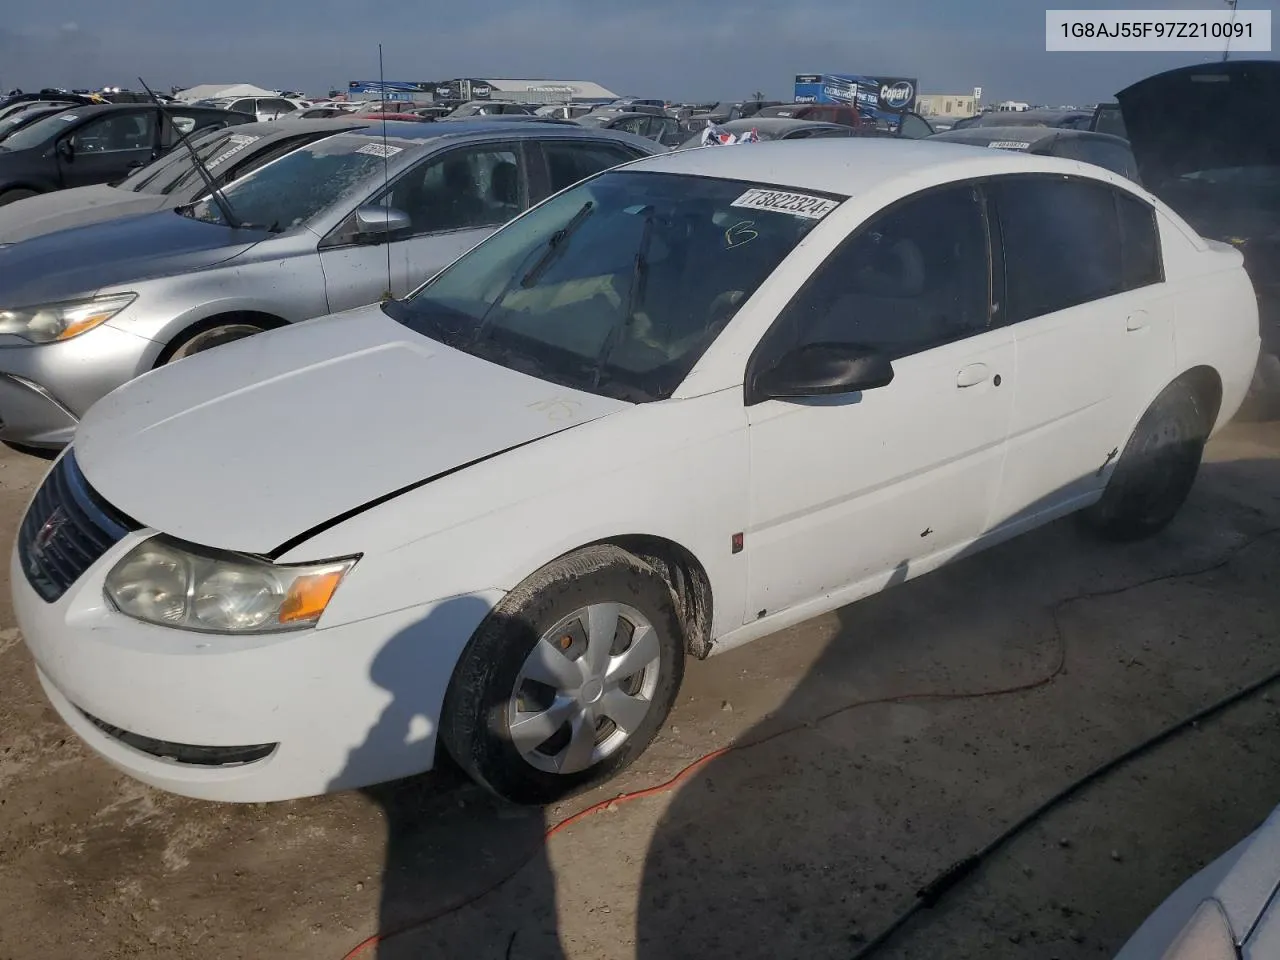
(585, 688)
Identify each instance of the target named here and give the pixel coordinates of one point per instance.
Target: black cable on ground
(931, 893)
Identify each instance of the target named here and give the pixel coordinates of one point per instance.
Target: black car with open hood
(1206, 144)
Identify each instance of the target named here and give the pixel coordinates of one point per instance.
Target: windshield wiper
(635, 296)
(223, 204)
(556, 244)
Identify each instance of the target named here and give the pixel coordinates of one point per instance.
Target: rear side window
(1061, 243)
(571, 161)
(1141, 262)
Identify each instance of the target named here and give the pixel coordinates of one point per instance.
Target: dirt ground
(802, 845)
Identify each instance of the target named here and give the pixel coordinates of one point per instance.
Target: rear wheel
(568, 680)
(13, 196)
(1156, 470)
(213, 337)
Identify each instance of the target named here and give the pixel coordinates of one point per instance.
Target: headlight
(162, 582)
(1207, 936)
(62, 321)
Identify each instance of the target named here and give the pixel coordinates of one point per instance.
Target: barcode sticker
(378, 150)
(779, 201)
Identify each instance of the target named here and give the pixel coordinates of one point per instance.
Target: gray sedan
(1101, 149)
(332, 225)
(229, 153)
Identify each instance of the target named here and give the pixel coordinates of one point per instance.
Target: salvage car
(600, 441)
(333, 224)
(228, 153)
(95, 144)
(1110, 152)
(664, 130)
(1200, 148)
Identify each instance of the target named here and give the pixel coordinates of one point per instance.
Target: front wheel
(568, 680)
(213, 337)
(1156, 470)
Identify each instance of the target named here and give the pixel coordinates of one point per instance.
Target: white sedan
(679, 406)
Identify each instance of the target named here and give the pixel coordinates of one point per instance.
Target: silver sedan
(333, 225)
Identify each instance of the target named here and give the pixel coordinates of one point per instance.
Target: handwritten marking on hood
(557, 408)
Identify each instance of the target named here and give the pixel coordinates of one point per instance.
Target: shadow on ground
(808, 844)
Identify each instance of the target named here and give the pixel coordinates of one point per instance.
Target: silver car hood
(82, 260)
(257, 442)
(63, 209)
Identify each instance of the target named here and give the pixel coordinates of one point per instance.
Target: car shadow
(808, 837)
(449, 843)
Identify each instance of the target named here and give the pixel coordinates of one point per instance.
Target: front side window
(1061, 243)
(465, 189)
(617, 285)
(298, 186)
(913, 278)
(116, 132)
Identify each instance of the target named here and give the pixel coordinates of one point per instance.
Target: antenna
(386, 176)
(227, 213)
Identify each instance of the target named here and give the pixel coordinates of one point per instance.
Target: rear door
(1093, 331)
(109, 147)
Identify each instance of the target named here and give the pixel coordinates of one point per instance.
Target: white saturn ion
(678, 406)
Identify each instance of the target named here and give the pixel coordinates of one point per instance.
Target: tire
(213, 337)
(491, 685)
(1156, 470)
(13, 196)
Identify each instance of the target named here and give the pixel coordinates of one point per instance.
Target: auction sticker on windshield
(1008, 145)
(378, 150)
(779, 201)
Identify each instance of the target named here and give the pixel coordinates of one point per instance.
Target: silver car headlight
(1207, 936)
(163, 582)
(50, 322)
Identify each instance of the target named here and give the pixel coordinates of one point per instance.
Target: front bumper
(46, 388)
(335, 707)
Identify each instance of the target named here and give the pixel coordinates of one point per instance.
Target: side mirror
(66, 150)
(821, 370)
(375, 224)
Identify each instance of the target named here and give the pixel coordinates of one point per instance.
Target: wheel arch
(1206, 383)
(684, 574)
(268, 321)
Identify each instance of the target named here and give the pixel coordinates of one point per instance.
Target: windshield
(618, 285)
(290, 191)
(14, 121)
(37, 133)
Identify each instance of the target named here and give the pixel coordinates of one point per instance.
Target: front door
(1094, 346)
(453, 200)
(109, 147)
(856, 489)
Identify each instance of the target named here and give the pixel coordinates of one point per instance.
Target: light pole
(1226, 53)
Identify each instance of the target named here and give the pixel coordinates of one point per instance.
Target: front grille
(68, 527)
(184, 752)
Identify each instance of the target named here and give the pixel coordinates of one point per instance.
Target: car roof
(292, 126)
(414, 130)
(841, 165)
(775, 125)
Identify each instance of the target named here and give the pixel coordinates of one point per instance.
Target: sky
(677, 49)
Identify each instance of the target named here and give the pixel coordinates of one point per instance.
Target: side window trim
(760, 357)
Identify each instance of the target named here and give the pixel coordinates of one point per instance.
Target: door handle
(1136, 321)
(972, 375)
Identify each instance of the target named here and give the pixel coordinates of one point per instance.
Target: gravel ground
(799, 846)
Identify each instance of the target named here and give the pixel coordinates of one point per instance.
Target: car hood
(63, 209)
(255, 443)
(1203, 117)
(82, 260)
